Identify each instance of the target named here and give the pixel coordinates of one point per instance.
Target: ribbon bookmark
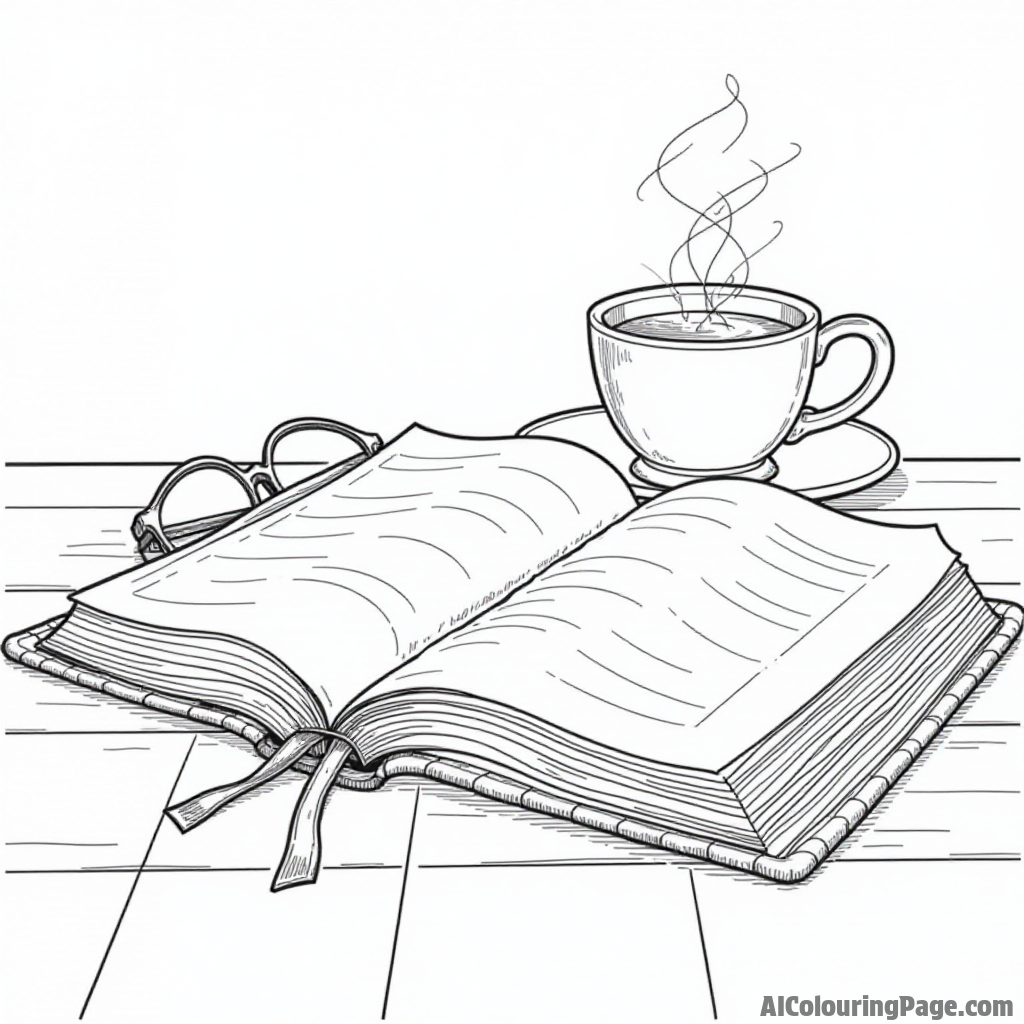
(194, 812)
(300, 862)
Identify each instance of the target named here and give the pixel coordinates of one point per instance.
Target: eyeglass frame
(148, 528)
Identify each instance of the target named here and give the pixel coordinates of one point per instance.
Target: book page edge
(795, 867)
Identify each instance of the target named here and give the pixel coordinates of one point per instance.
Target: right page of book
(693, 627)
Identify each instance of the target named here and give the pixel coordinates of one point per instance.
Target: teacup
(697, 395)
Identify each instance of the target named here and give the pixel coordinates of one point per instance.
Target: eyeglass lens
(308, 451)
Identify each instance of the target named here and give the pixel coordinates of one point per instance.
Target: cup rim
(598, 310)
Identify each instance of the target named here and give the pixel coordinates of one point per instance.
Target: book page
(347, 580)
(693, 627)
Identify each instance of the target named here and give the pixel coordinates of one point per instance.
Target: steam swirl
(719, 215)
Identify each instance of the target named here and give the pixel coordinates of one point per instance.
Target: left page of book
(344, 581)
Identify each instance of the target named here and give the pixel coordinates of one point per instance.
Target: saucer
(846, 458)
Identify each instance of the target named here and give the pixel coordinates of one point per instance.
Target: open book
(723, 668)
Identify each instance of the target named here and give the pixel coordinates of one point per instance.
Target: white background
(218, 215)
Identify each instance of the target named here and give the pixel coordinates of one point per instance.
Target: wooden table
(436, 904)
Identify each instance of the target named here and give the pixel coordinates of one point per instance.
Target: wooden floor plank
(881, 929)
(63, 922)
(548, 943)
(87, 802)
(223, 947)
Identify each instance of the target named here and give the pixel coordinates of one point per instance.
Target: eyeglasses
(258, 482)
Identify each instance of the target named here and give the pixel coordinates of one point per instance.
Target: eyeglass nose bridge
(262, 476)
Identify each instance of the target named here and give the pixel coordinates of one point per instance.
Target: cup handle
(812, 420)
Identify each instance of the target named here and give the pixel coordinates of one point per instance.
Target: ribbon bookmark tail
(300, 862)
(194, 812)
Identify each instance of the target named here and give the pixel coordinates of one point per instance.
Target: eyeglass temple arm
(196, 529)
(147, 526)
